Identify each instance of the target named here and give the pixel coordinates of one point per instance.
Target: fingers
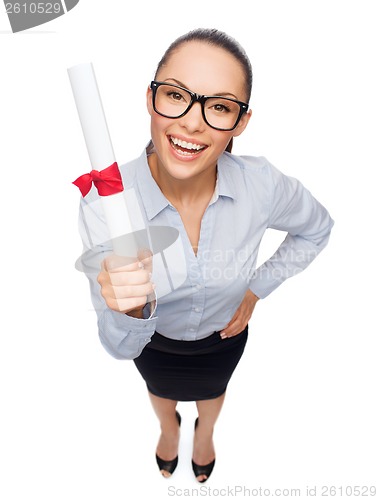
(125, 297)
(145, 257)
(117, 262)
(241, 317)
(131, 276)
(125, 305)
(132, 291)
(233, 328)
(126, 283)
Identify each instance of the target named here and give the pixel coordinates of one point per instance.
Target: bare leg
(203, 447)
(165, 410)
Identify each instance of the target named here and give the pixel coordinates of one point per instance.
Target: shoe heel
(202, 470)
(168, 465)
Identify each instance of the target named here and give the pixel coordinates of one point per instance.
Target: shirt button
(191, 329)
(198, 286)
(197, 309)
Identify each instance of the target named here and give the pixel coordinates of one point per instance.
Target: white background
(301, 409)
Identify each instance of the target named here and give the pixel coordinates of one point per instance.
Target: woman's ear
(243, 123)
(150, 107)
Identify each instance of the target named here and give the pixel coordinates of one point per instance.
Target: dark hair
(219, 39)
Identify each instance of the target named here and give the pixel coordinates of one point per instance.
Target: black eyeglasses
(173, 101)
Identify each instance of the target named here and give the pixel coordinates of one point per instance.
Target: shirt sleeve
(122, 336)
(294, 210)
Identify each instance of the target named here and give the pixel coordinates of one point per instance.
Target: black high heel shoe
(202, 470)
(168, 465)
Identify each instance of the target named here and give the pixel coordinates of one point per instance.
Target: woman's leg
(165, 410)
(203, 448)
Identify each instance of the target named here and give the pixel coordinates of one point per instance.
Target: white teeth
(186, 145)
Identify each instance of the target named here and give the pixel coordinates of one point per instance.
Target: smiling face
(187, 147)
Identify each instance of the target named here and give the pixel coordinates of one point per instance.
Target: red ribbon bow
(107, 181)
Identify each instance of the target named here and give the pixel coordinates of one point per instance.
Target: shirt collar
(153, 199)
(226, 180)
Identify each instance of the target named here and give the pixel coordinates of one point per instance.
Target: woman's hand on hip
(126, 283)
(241, 317)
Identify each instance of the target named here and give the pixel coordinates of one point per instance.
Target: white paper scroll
(100, 150)
(169, 264)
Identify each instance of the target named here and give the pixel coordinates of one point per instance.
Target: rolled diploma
(100, 149)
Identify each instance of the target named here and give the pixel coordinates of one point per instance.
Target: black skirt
(190, 370)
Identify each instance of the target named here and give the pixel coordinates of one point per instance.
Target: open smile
(184, 148)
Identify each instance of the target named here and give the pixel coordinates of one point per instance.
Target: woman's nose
(193, 120)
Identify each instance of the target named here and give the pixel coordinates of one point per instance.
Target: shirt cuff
(123, 336)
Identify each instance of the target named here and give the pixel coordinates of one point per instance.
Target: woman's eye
(175, 96)
(221, 108)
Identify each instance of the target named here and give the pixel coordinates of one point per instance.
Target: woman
(187, 347)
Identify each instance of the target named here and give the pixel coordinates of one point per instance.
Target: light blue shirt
(251, 195)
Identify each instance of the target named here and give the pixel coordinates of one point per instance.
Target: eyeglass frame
(197, 98)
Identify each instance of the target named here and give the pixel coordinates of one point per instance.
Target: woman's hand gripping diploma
(126, 283)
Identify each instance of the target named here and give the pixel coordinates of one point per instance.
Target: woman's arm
(122, 335)
(308, 225)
